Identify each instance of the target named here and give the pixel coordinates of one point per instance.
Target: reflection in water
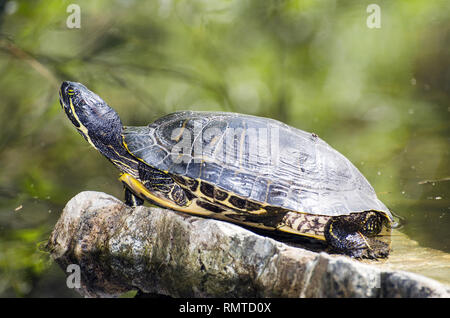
(408, 255)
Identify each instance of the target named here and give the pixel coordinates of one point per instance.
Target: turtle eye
(67, 87)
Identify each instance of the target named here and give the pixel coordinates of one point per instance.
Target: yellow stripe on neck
(82, 128)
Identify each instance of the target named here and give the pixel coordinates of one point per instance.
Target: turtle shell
(255, 158)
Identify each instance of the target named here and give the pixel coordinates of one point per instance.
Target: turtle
(252, 171)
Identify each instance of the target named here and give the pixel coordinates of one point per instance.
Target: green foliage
(380, 96)
(21, 262)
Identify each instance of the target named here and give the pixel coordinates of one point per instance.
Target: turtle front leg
(131, 199)
(349, 234)
(156, 180)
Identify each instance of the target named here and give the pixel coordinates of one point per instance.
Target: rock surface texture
(161, 251)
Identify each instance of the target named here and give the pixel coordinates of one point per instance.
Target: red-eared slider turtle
(244, 169)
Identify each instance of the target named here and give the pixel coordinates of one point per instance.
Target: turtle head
(98, 123)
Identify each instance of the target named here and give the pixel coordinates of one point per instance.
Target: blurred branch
(434, 181)
(14, 50)
(141, 95)
(217, 88)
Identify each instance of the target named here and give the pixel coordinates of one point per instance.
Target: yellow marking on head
(82, 128)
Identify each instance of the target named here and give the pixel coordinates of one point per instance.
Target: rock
(161, 251)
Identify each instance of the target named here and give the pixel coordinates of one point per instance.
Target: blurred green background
(380, 96)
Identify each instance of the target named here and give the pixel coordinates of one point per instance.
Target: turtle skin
(293, 181)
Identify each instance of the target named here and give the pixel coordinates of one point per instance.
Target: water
(379, 96)
(409, 255)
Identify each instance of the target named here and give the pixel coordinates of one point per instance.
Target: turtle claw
(377, 251)
(362, 253)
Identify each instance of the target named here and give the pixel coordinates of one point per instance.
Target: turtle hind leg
(131, 199)
(349, 234)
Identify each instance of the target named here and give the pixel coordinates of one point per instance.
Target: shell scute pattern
(298, 172)
(212, 173)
